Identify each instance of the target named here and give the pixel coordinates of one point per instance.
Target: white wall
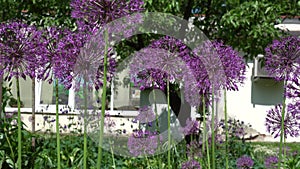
(241, 107)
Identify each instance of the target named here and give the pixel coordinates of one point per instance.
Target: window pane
(91, 99)
(48, 94)
(25, 92)
(126, 96)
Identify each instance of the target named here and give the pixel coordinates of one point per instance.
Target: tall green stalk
(169, 124)
(19, 125)
(226, 129)
(85, 124)
(213, 130)
(112, 154)
(157, 127)
(204, 125)
(103, 101)
(57, 125)
(282, 134)
(33, 113)
(204, 139)
(1, 94)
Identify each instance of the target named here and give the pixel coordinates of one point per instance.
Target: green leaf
(267, 10)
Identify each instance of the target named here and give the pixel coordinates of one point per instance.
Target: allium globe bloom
(244, 162)
(63, 47)
(92, 15)
(191, 164)
(271, 162)
(161, 60)
(97, 13)
(221, 67)
(293, 89)
(210, 63)
(282, 58)
(291, 121)
(89, 64)
(21, 49)
(164, 59)
(283, 61)
(192, 127)
(145, 115)
(143, 143)
(235, 128)
(233, 65)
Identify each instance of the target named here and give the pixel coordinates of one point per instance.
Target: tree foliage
(39, 12)
(245, 25)
(250, 26)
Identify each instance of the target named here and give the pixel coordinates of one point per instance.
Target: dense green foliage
(44, 155)
(246, 25)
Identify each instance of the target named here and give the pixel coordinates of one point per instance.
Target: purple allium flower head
(168, 61)
(271, 162)
(291, 121)
(283, 61)
(233, 65)
(210, 63)
(96, 13)
(191, 164)
(207, 68)
(145, 115)
(293, 88)
(244, 162)
(235, 128)
(283, 58)
(20, 49)
(90, 65)
(221, 67)
(143, 143)
(192, 127)
(162, 60)
(59, 59)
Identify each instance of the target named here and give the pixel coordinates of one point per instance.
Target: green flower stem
(282, 134)
(85, 124)
(33, 113)
(103, 101)
(19, 125)
(213, 130)
(204, 124)
(9, 144)
(169, 125)
(226, 129)
(112, 154)
(157, 127)
(284, 152)
(204, 133)
(57, 125)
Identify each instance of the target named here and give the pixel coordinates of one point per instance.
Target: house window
(48, 94)
(25, 92)
(122, 99)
